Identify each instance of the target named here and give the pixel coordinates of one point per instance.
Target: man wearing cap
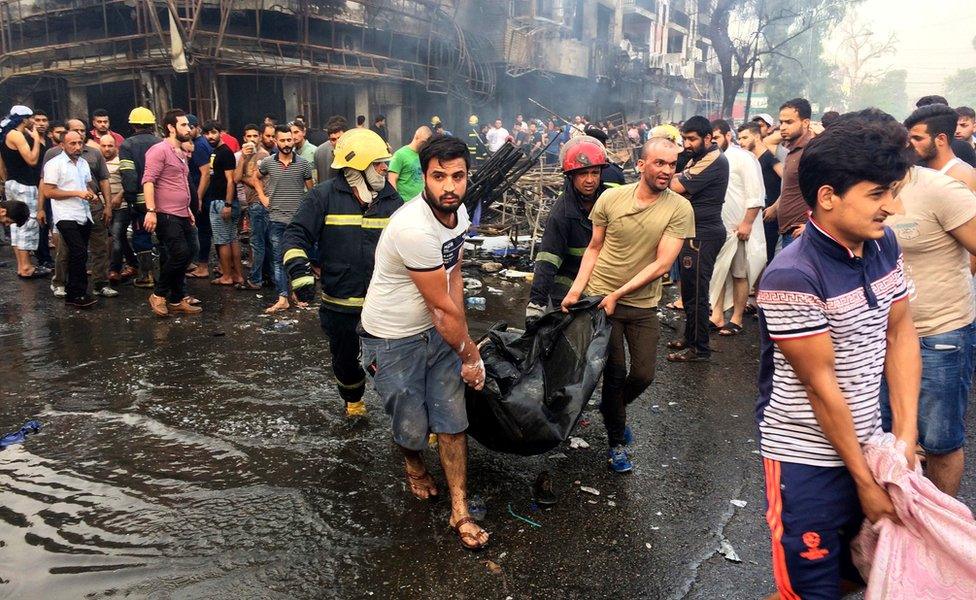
(765, 122)
(20, 150)
(345, 215)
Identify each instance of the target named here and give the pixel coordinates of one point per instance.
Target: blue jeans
(278, 255)
(947, 376)
(120, 241)
(419, 380)
(259, 240)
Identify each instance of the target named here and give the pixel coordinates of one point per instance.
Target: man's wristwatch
(151, 210)
(228, 204)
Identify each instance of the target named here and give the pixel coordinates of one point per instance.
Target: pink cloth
(931, 557)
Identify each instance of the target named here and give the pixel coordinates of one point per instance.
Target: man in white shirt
(414, 333)
(66, 179)
(743, 255)
(496, 136)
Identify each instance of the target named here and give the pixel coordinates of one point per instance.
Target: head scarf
(17, 115)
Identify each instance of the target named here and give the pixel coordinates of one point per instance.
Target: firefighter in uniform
(568, 229)
(132, 162)
(477, 149)
(345, 215)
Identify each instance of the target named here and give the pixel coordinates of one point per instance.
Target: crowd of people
(856, 236)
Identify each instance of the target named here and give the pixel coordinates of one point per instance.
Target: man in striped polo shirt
(286, 178)
(833, 321)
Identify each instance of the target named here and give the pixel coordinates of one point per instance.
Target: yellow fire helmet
(141, 115)
(473, 120)
(358, 148)
(667, 131)
(435, 120)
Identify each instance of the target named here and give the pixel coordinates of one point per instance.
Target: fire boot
(145, 278)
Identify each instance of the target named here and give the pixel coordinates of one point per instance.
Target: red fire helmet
(583, 152)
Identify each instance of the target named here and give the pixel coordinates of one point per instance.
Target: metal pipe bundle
(497, 175)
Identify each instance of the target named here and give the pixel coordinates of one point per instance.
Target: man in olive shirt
(638, 230)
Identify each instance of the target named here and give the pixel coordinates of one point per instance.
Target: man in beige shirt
(638, 230)
(937, 233)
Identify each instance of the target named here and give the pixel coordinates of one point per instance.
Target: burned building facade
(406, 59)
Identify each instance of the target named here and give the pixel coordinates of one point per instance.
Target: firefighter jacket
(132, 164)
(568, 232)
(347, 233)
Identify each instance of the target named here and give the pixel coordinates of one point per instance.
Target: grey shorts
(224, 232)
(740, 265)
(419, 380)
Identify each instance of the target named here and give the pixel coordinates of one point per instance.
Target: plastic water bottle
(475, 303)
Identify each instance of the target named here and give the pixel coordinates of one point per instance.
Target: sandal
(673, 306)
(216, 281)
(751, 309)
(193, 275)
(414, 481)
(246, 286)
(713, 328)
(686, 355)
(474, 544)
(677, 344)
(730, 329)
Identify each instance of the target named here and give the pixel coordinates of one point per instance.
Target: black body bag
(538, 382)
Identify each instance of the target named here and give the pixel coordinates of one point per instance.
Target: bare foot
(422, 485)
(298, 302)
(280, 305)
(222, 281)
(200, 273)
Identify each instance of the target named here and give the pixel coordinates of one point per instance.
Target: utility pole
(752, 76)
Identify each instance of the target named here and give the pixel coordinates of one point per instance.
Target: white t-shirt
(414, 240)
(496, 138)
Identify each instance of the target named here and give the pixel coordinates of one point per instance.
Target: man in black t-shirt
(750, 139)
(704, 182)
(224, 208)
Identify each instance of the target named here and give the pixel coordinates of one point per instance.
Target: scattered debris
(589, 490)
(611, 503)
(492, 267)
(475, 302)
(557, 456)
(513, 274)
(492, 290)
(576, 442)
(726, 550)
(477, 508)
(739, 503)
(471, 284)
(494, 567)
(647, 545)
(521, 518)
(17, 437)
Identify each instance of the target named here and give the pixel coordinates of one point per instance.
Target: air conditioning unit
(656, 61)
(696, 54)
(673, 69)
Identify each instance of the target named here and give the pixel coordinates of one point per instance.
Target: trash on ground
(589, 490)
(739, 503)
(470, 284)
(492, 290)
(492, 267)
(576, 442)
(494, 567)
(513, 274)
(647, 545)
(557, 456)
(726, 550)
(17, 437)
(477, 508)
(475, 303)
(521, 518)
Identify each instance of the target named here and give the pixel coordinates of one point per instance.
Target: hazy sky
(935, 39)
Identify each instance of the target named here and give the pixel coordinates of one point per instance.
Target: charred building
(406, 59)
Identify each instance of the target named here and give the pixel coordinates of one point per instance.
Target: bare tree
(760, 28)
(858, 56)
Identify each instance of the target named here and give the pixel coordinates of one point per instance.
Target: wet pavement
(208, 457)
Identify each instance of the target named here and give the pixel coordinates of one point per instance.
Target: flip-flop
(192, 275)
(671, 306)
(475, 545)
(730, 329)
(687, 355)
(712, 327)
(246, 286)
(677, 344)
(432, 492)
